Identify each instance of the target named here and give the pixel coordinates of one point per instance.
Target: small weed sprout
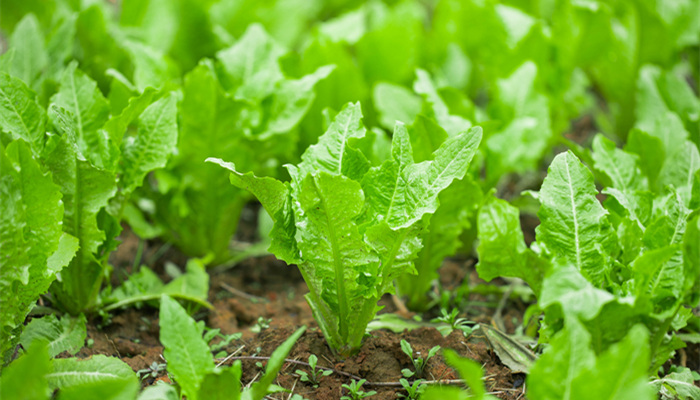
(354, 392)
(262, 324)
(152, 370)
(454, 321)
(414, 391)
(419, 362)
(315, 374)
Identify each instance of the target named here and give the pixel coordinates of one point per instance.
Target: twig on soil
(399, 304)
(291, 391)
(348, 375)
(228, 357)
(241, 293)
(433, 382)
(351, 376)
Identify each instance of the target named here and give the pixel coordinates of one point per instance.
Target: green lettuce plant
(351, 227)
(240, 107)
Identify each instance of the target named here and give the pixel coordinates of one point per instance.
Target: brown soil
(269, 288)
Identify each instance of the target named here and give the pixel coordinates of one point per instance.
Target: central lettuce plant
(351, 227)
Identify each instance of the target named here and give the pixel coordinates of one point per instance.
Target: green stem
(660, 334)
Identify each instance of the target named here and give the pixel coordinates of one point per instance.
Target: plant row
(379, 139)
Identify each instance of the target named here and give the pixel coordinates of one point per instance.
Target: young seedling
(455, 322)
(414, 391)
(354, 392)
(314, 376)
(262, 324)
(419, 362)
(153, 370)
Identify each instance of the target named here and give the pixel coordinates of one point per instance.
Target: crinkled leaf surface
(85, 110)
(154, 142)
(65, 334)
(30, 233)
(21, 116)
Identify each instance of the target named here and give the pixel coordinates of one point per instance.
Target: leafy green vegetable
(92, 161)
(99, 376)
(33, 246)
(188, 356)
(67, 334)
(24, 378)
(145, 286)
(235, 109)
(353, 228)
(570, 369)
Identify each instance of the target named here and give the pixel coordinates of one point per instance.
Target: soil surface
(269, 288)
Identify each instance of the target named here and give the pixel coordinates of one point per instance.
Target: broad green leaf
(29, 57)
(650, 149)
(578, 298)
(574, 226)
(424, 86)
(96, 377)
(330, 152)
(80, 110)
(335, 258)
(292, 100)
(108, 390)
(189, 358)
(151, 67)
(569, 369)
(261, 388)
(159, 391)
(470, 371)
(395, 103)
(520, 144)
(619, 167)
(154, 142)
(21, 116)
(401, 192)
(24, 378)
(222, 384)
(426, 137)
(679, 169)
(502, 249)
(658, 277)
(251, 65)
(117, 125)
(67, 334)
(30, 233)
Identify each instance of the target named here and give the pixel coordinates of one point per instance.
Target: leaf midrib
(574, 215)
